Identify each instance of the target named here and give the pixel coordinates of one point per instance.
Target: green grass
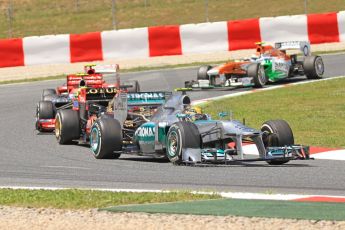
(39, 17)
(315, 111)
(84, 199)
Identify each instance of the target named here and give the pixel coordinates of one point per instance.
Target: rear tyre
(313, 67)
(277, 133)
(67, 127)
(257, 72)
(181, 135)
(47, 92)
(106, 138)
(134, 88)
(202, 74)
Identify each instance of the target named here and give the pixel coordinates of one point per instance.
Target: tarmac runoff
(316, 152)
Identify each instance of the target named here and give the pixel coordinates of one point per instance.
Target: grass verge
(315, 111)
(84, 199)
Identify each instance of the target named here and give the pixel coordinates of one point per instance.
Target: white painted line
(331, 155)
(328, 155)
(260, 196)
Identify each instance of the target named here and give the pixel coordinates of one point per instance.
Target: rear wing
(123, 100)
(101, 94)
(75, 80)
(101, 69)
(303, 46)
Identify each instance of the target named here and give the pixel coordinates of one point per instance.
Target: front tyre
(67, 126)
(106, 138)
(47, 92)
(44, 110)
(202, 74)
(257, 72)
(277, 133)
(181, 135)
(313, 67)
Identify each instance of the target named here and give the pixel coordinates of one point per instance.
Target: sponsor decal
(280, 66)
(289, 44)
(111, 90)
(145, 132)
(146, 96)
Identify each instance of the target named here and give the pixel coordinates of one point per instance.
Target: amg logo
(145, 132)
(145, 96)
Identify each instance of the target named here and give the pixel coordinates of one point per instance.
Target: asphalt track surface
(29, 159)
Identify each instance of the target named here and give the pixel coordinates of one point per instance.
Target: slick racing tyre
(202, 74)
(313, 67)
(106, 138)
(257, 72)
(67, 126)
(47, 92)
(181, 135)
(277, 133)
(134, 86)
(44, 110)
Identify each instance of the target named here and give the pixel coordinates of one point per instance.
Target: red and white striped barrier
(171, 40)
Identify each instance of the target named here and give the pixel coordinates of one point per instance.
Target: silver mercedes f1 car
(165, 124)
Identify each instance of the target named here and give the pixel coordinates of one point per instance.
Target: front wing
(286, 153)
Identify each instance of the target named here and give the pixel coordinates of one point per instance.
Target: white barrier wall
(284, 28)
(47, 49)
(341, 25)
(125, 43)
(204, 37)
